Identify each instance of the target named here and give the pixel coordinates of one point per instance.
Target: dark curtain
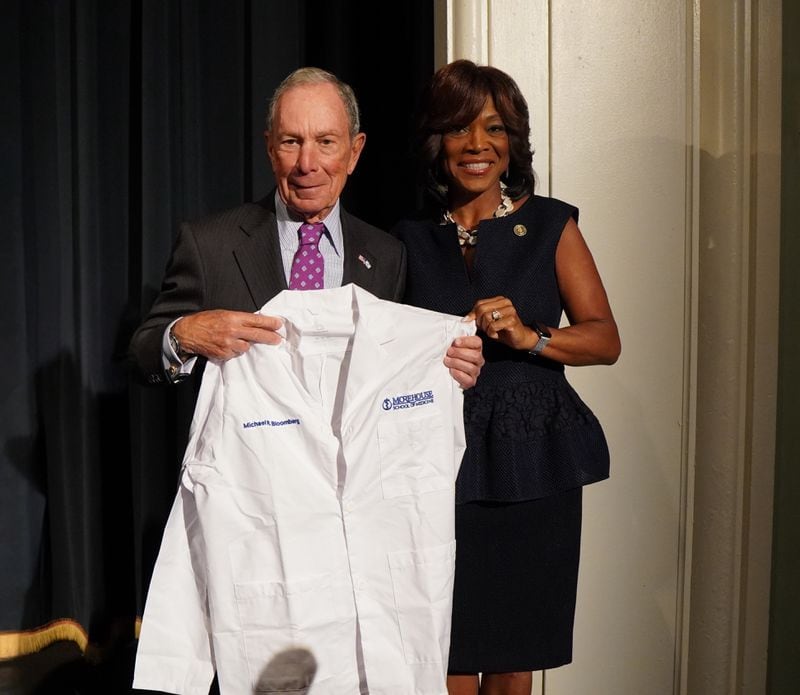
(121, 118)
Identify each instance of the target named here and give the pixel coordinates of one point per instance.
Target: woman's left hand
(497, 317)
(464, 359)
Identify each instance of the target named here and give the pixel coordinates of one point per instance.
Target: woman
(514, 261)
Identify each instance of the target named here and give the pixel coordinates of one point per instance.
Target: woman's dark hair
(453, 99)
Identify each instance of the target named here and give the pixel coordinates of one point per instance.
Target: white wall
(633, 104)
(618, 148)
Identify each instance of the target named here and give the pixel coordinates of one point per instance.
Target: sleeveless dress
(532, 444)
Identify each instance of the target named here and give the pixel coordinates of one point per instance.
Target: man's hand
(464, 359)
(221, 334)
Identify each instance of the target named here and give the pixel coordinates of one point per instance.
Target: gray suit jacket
(232, 260)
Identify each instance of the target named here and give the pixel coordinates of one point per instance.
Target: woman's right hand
(497, 318)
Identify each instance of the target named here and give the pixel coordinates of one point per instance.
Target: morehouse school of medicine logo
(410, 400)
(271, 423)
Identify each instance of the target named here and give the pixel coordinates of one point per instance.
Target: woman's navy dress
(531, 445)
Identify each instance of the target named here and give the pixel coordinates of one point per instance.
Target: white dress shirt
(331, 243)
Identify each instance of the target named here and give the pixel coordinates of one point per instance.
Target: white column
(739, 109)
(663, 125)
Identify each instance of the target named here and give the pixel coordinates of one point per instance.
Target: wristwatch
(544, 338)
(175, 344)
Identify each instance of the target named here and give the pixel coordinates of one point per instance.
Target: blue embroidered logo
(410, 400)
(271, 423)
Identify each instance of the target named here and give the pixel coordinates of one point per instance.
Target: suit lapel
(259, 255)
(360, 265)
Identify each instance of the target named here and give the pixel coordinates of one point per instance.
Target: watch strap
(177, 348)
(544, 338)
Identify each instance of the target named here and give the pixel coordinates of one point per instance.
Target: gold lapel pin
(520, 230)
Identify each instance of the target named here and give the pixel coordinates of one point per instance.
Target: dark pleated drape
(121, 118)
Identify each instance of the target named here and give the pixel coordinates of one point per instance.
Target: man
(226, 267)
(229, 265)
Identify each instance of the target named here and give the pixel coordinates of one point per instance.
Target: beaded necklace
(469, 237)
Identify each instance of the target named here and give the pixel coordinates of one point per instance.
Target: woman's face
(475, 156)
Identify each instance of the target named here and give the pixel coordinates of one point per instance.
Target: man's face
(310, 148)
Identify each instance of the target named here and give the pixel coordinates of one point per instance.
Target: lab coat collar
(348, 303)
(348, 308)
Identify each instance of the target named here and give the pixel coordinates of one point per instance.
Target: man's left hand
(464, 359)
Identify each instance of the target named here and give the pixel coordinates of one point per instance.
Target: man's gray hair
(303, 76)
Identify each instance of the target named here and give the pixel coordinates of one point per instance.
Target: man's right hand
(221, 334)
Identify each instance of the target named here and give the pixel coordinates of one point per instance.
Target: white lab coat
(315, 508)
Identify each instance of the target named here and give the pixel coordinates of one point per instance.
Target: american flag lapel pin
(365, 261)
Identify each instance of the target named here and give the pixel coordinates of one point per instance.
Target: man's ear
(356, 147)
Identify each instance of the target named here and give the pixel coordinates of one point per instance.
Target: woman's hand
(497, 317)
(464, 359)
(591, 337)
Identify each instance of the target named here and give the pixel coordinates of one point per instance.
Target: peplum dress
(532, 444)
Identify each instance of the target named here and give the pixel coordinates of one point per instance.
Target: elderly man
(288, 474)
(226, 267)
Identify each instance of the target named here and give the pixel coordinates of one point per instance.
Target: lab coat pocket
(423, 592)
(413, 456)
(309, 613)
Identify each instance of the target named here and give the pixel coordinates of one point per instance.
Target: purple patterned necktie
(308, 266)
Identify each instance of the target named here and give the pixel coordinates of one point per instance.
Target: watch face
(542, 331)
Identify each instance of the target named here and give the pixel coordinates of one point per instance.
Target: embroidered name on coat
(271, 423)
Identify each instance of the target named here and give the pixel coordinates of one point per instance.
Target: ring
(496, 315)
